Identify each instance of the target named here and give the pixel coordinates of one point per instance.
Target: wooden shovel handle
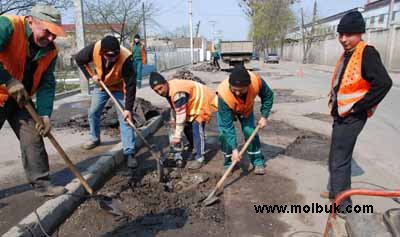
(244, 148)
(116, 102)
(60, 150)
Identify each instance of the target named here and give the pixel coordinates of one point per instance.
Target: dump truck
(236, 53)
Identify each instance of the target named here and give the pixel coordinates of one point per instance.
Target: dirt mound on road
(75, 115)
(187, 75)
(151, 207)
(205, 67)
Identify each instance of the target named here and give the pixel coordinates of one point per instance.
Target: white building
(375, 14)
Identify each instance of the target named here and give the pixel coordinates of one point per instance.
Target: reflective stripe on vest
(237, 105)
(200, 105)
(353, 86)
(13, 57)
(197, 103)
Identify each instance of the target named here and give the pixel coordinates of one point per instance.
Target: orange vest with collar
(14, 55)
(113, 79)
(236, 104)
(353, 86)
(200, 106)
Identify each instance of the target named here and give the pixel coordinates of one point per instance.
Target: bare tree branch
(24, 6)
(127, 14)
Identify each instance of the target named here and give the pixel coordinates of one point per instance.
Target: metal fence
(164, 60)
(156, 61)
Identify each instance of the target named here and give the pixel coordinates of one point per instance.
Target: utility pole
(80, 43)
(191, 31)
(391, 36)
(197, 29)
(144, 25)
(303, 36)
(213, 30)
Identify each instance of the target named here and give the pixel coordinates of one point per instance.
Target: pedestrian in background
(139, 58)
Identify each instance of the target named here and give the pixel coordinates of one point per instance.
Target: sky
(226, 15)
(229, 17)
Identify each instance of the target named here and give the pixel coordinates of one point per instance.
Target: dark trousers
(34, 156)
(195, 134)
(344, 136)
(216, 63)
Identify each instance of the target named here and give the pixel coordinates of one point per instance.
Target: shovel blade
(110, 205)
(211, 199)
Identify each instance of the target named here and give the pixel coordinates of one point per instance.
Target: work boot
(195, 165)
(90, 145)
(48, 190)
(259, 170)
(132, 161)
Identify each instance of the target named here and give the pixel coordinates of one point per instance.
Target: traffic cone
(300, 73)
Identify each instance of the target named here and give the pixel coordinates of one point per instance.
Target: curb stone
(53, 212)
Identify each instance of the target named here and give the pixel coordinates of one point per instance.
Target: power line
(173, 7)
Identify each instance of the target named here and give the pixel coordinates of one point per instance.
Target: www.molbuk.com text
(313, 208)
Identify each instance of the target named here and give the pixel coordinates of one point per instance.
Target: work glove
(235, 156)
(262, 122)
(17, 91)
(44, 127)
(126, 115)
(96, 79)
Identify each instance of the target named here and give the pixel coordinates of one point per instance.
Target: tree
(128, 14)
(308, 32)
(270, 21)
(24, 6)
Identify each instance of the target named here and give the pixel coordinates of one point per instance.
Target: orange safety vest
(142, 52)
(237, 105)
(353, 86)
(201, 105)
(113, 79)
(13, 57)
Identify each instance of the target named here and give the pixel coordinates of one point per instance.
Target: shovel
(159, 157)
(59, 149)
(212, 198)
(104, 201)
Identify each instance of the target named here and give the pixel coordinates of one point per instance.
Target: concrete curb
(54, 212)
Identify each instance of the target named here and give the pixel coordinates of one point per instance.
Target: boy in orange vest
(27, 62)
(236, 97)
(192, 105)
(113, 64)
(359, 83)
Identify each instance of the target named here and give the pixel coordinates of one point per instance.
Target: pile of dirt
(205, 67)
(76, 117)
(187, 75)
(149, 207)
